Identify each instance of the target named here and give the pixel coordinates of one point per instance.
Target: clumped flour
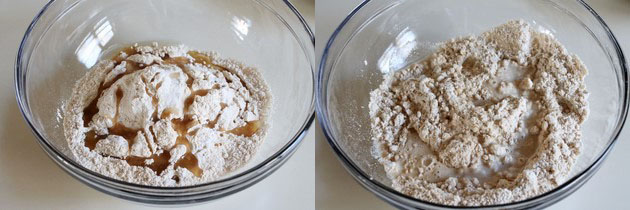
(166, 116)
(486, 119)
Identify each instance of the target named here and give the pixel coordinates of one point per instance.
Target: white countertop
(609, 188)
(30, 180)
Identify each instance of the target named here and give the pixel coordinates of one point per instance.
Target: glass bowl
(68, 37)
(382, 36)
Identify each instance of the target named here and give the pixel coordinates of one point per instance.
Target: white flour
(166, 116)
(484, 120)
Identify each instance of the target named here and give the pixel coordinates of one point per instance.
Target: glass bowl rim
(364, 179)
(265, 164)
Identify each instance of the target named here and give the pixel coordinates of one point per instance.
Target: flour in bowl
(485, 120)
(167, 116)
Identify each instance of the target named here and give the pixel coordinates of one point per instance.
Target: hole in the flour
(248, 130)
(166, 113)
(471, 66)
(119, 96)
(242, 83)
(160, 162)
(158, 86)
(154, 117)
(427, 161)
(481, 139)
(91, 138)
(127, 133)
(564, 106)
(189, 81)
(89, 112)
(190, 162)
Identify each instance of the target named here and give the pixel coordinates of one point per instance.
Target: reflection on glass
(241, 26)
(395, 55)
(104, 33)
(92, 46)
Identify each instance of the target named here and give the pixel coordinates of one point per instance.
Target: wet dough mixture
(486, 119)
(166, 116)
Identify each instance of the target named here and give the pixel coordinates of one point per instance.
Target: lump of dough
(113, 145)
(140, 148)
(177, 153)
(135, 108)
(206, 108)
(461, 153)
(165, 135)
(512, 38)
(228, 118)
(118, 70)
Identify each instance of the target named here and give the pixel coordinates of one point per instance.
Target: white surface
(607, 189)
(30, 180)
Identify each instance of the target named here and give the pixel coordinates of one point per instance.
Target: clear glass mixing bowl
(382, 36)
(69, 36)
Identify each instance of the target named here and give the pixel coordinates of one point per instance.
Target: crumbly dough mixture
(486, 119)
(166, 116)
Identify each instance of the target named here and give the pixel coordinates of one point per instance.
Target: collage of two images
(314, 104)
